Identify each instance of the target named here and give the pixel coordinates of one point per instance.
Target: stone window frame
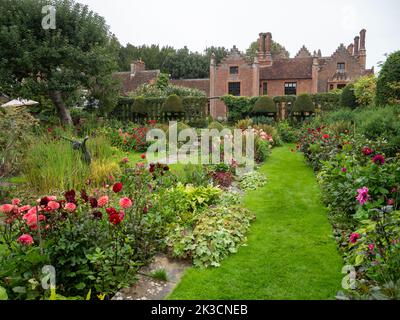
(240, 87)
(264, 88)
(235, 67)
(339, 67)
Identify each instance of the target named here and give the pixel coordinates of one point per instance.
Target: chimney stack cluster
(358, 49)
(264, 48)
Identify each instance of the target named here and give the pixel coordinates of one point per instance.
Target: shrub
(304, 104)
(102, 171)
(173, 104)
(388, 84)
(216, 125)
(217, 233)
(270, 131)
(139, 106)
(252, 181)
(244, 124)
(238, 107)
(264, 105)
(17, 128)
(262, 150)
(365, 90)
(287, 133)
(348, 98)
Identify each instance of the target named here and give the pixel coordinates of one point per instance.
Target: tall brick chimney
(264, 46)
(356, 46)
(268, 43)
(363, 52)
(137, 66)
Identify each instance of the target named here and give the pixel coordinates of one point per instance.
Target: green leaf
(80, 286)
(359, 260)
(19, 289)
(3, 294)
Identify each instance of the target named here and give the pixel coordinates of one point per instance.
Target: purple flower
(363, 195)
(344, 170)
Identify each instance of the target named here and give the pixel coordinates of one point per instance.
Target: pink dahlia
(16, 202)
(102, 201)
(70, 207)
(24, 208)
(363, 195)
(53, 205)
(6, 208)
(354, 237)
(125, 203)
(25, 240)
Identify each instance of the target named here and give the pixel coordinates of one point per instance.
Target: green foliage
(80, 54)
(287, 133)
(277, 50)
(365, 90)
(264, 105)
(54, 166)
(328, 100)
(348, 98)
(238, 107)
(217, 233)
(303, 104)
(262, 150)
(16, 134)
(388, 84)
(252, 181)
(173, 104)
(216, 125)
(160, 274)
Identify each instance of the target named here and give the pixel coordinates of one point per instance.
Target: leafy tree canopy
(79, 54)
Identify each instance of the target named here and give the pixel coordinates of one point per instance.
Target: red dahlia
(117, 187)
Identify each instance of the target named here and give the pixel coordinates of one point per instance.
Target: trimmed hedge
(264, 105)
(173, 104)
(348, 98)
(304, 104)
(142, 109)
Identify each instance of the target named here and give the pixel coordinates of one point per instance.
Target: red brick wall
(277, 87)
(353, 69)
(223, 77)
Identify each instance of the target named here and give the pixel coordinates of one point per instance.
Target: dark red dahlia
(367, 151)
(97, 215)
(111, 211)
(70, 196)
(117, 187)
(115, 219)
(93, 202)
(378, 159)
(84, 195)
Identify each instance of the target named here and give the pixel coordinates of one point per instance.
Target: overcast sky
(318, 24)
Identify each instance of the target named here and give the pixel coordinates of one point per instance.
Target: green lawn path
(290, 253)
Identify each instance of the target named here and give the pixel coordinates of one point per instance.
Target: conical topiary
(264, 105)
(303, 104)
(173, 104)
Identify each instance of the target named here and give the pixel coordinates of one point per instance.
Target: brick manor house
(267, 74)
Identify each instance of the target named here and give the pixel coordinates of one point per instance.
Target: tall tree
(78, 54)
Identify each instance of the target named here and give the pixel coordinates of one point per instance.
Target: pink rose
(125, 203)
(25, 240)
(103, 201)
(70, 207)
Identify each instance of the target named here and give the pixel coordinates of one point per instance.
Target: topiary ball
(264, 105)
(303, 104)
(139, 105)
(173, 104)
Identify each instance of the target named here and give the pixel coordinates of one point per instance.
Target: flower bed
(360, 186)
